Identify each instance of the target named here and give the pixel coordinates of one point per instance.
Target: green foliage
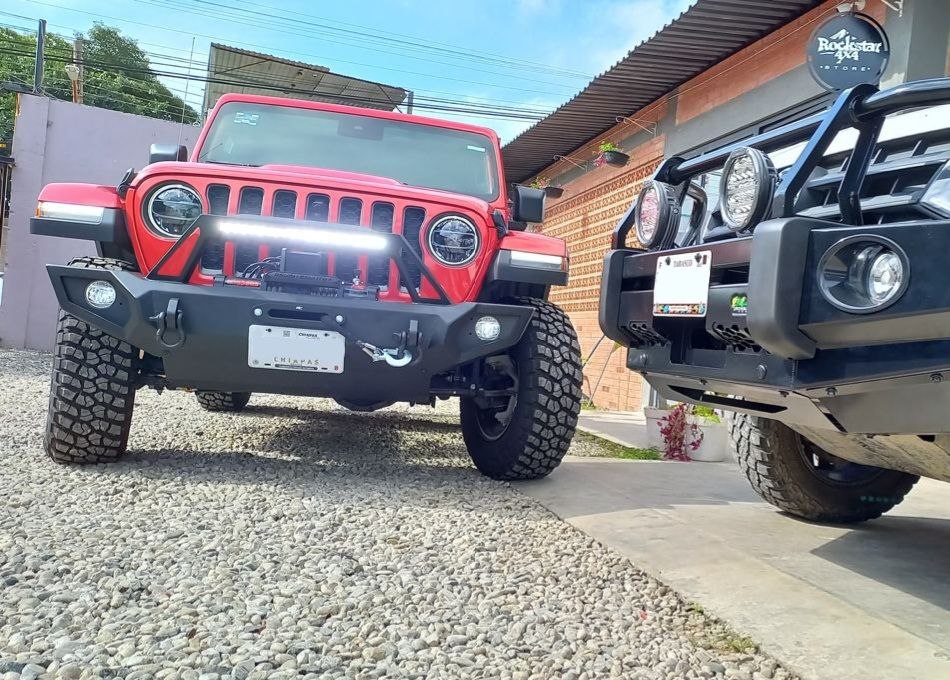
(606, 146)
(134, 89)
(707, 413)
(615, 450)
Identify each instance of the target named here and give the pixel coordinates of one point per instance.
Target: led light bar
(520, 258)
(70, 212)
(321, 237)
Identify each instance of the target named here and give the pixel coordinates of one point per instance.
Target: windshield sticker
(480, 149)
(242, 118)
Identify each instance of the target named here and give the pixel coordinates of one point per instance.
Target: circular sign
(848, 50)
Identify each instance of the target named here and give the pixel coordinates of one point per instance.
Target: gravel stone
(298, 540)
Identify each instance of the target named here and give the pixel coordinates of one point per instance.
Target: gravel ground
(296, 540)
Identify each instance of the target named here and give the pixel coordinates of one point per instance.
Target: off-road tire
(548, 361)
(92, 391)
(770, 455)
(223, 401)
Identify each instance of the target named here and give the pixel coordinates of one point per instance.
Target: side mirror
(528, 204)
(167, 152)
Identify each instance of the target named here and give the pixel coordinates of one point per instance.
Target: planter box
(714, 447)
(617, 159)
(553, 192)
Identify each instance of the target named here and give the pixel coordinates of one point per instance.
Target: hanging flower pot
(610, 154)
(553, 192)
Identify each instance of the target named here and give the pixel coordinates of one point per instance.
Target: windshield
(415, 154)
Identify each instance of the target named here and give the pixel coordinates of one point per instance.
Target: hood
(309, 178)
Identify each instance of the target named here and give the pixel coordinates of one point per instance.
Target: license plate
(295, 349)
(682, 284)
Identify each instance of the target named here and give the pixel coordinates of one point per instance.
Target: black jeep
(799, 279)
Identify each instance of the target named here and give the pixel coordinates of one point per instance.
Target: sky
(527, 55)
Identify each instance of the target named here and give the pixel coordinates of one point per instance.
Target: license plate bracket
(295, 349)
(681, 287)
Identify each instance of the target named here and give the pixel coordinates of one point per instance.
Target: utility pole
(77, 59)
(409, 103)
(40, 50)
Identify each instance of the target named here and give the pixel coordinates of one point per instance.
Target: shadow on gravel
(299, 449)
(434, 423)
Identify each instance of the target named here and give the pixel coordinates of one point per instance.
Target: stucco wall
(57, 141)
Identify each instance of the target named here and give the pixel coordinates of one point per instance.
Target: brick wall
(585, 217)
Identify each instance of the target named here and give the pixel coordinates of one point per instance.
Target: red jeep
(315, 250)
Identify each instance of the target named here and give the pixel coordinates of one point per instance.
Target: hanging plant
(680, 436)
(610, 154)
(550, 190)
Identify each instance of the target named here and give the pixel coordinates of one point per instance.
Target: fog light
(100, 294)
(885, 277)
(487, 328)
(863, 274)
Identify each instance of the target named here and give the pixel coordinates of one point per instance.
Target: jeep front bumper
(791, 355)
(201, 334)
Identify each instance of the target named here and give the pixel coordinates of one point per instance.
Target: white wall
(55, 141)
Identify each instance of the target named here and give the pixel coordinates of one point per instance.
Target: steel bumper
(201, 334)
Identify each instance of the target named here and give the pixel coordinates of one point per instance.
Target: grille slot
(412, 221)
(285, 204)
(644, 335)
(318, 208)
(212, 259)
(347, 266)
(735, 336)
(378, 266)
(250, 202)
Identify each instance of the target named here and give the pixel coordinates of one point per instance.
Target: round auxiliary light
(745, 193)
(171, 208)
(487, 328)
(657, 215)
(100, 294)
(453, 240)
(885, 277)
(863, 274)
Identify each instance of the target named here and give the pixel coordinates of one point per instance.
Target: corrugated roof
(700, 37)
(231, 69)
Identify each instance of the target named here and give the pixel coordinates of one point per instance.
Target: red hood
(314, 178)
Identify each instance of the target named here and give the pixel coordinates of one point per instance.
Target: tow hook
(395, 356)
(169, 321)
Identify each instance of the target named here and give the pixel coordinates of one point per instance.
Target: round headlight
(171, 209)
(745, 194)
(863, 273)
(657, 215)
(453, 240)
(885, 277)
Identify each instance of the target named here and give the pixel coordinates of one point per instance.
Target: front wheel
(525, 434)
(92, 391)
(796, 476)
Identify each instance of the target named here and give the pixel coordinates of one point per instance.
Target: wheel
(802, 479)
(525, 433)
(223, 401)
(92, 391)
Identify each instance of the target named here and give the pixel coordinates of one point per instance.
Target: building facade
(763, 84)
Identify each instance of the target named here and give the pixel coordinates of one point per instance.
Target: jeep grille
(381, 215)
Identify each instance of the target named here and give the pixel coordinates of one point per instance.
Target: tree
(117, 75)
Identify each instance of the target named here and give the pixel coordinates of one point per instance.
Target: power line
(461, 107)
(345, 61)
(270, 79)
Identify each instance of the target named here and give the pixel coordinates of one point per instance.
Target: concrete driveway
(842, 603)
